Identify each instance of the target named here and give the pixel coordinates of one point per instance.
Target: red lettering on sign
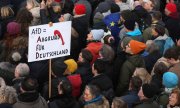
(56, 32)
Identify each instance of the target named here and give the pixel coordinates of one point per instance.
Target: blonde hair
(143, 75)
(6, 11)
(34, 3)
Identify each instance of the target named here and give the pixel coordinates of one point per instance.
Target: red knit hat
(136, 46)
(171, 7)
(57, 1)
(80, 9)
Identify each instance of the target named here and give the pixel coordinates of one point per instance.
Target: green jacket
(127, 71)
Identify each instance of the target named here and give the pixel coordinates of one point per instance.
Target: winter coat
(98, 102)
(63, 101)
(30, 100)
(149, 103)
(131, 98)
(147, 33)
(36, 16)
(136, 35)
(173, 26)
(176, 69)
(7, 93)
(164, 43)
(106, 89)
(94, 48)
(84, 69)
(127, 71)
(80, 24)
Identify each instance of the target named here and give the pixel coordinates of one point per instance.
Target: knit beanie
(149, 90)
(98, 17)
(97, 34)
(136, 46)
(160, 29)
(13, 28)
(170, 80)
(58, 68)
(129, 24)
(171, 7)
(80, 9)
(71, 65)
(114, 8)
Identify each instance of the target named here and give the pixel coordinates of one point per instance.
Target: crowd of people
(124, 54)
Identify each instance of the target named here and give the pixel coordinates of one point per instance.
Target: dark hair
(68, 7)
(66, 87)
(136, 83)
(86, 55)
(160, 69)
(157, 15)
(159, 29)
(24, 18)
(114, 8)
(127, 15)
(29, 84)
(99, 66)
(119, 103)
(172, 53)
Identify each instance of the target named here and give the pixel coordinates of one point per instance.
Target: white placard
(47, 42)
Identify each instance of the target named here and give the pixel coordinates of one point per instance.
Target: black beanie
(58, 68)
(114, 8)
(160, 29)
(130, 24)
(149, 90)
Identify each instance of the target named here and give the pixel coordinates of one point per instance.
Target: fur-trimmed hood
(7, 93)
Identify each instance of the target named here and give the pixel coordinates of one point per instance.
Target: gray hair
(22, 69)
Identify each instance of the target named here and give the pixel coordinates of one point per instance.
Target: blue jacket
(136, 35)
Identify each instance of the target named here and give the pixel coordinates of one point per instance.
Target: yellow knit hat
(71, 65)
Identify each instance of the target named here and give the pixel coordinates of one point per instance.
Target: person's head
(31, 4)
(147, 91)
(109, 40)
(151, 46)
(95, 34)
(71, 66)
(135, 83)
(129, 25)
(15, 58)
(85, 56)
(13, 28)
(58, 68)
(170, 80)
(106, 53)
(90, 92)
(22, 70)
(171, 55)
(6, 12)
(126, 15)
(135, 47)
(68, 6)
(156, 16)
(114, 8)
(158, 30)
(160, 68)
(64, 87)
(79, 9)
(118, 103)
(29, 85)
(170, 9)
(148, 5)
(174, 98)
(98, 67)
(56, 6)
(143, 74)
